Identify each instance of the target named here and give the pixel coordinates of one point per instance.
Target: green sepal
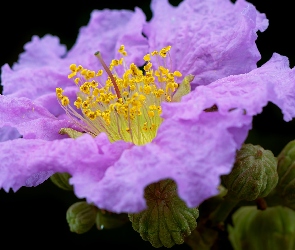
(271, 229)
(62, 180)
(108, 220)
(72, 133)
(167, 220)
(286, 170)
(183, 89)
(81, 217)
(254, 174)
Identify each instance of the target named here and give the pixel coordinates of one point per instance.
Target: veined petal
(272, 82)
(185, 151)
(30, 162)
(211, 39)
(8, 133)
(105, 30)
(40, 52)
(31, 120)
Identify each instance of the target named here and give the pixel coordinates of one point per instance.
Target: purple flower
(197, 140)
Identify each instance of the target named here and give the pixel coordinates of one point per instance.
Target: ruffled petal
(30, 162)
(193, 153)
(40, 52)
(31, 120)
(210, 39)
(33, 83)
(8, 133)
(272, 82)
(104, 33)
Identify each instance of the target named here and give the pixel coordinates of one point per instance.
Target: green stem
(222, 211)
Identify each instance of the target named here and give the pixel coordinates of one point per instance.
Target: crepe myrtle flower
(141, 126)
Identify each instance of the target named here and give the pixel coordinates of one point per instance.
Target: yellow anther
(99, 73)
(157, 73)
(125, 107)
(90, 74)
(77, 80)
(85, 88)
(78, 102)
(177, 74)
(163, 53)
(159, 110)
(151, 113)
(164, 70)
(84, 72)
(154, 53)
(58, 91)
(79, 68)
(121, 49)
(147, 66)
(72, 75)
(167, 48)
(73, 67)
(145, 127)
(92, 115)
(86, 111)
(85, 105)
(115, 62)
(65, 101)
(147, 57)
(95, 92)
(93, 84)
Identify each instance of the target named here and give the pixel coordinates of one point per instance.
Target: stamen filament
(98, 55)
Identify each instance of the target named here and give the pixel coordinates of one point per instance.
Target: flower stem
(222, 211)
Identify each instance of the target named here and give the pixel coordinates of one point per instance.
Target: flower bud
(108, 220)
(286, 170)
(81, 217)
(62, 180)
(273, 228)
(167, 220)
(254, 174)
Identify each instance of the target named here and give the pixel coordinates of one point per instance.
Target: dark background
(35, 217)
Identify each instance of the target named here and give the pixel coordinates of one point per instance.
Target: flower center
(125, 108)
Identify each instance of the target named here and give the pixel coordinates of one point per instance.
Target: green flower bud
(286, 170)
(167, 220)
(62, 180)
(273, 228)
(81, 217)
(254, 174)
(108, 220)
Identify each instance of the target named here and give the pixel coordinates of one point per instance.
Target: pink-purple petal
(185, 151)
(30, 162)
(8, 133)
(210, 39)
(40, 52)
(104, 33)
(31, 120)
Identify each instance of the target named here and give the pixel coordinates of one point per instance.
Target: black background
(35, 217)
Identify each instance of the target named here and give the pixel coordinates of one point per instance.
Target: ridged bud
(62, 180)
(167, 220)
(286, 170)
(254, 174)
(81, 217)
(108, 220)
(271, 229)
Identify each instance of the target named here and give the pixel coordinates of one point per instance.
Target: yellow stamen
(126, 107)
